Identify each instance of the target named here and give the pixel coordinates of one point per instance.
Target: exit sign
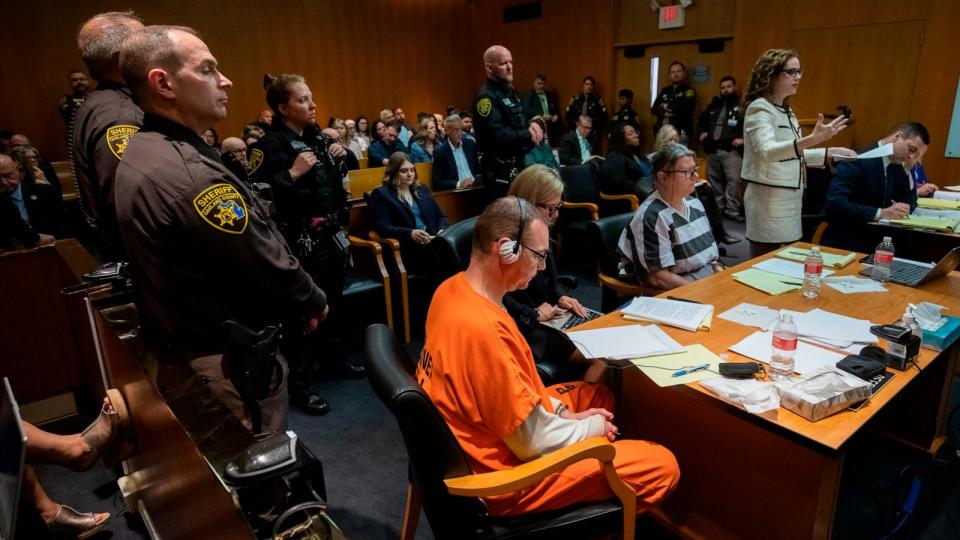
(671, 17)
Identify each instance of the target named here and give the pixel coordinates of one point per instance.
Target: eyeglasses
(551, 210)
(687, 173)
(794, 73)
(541, 255)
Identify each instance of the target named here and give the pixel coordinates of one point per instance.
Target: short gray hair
(100, 39)
(146, 50)
(451, 120)
(667, 156)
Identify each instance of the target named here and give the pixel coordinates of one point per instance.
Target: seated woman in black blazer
(541, 300)
(404, 209)
(626, 171)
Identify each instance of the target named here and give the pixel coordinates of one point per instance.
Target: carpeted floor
(366, 468)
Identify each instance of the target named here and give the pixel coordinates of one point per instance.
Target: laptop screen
(13, 448)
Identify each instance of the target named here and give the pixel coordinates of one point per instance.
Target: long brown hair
(392, 173)
(765, 72)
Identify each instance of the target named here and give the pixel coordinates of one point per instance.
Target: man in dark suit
(543, 103)
(576, 147)
(455, 163)
(872, 189)
(15, 217)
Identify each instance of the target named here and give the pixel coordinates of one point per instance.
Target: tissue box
(944, 336)
(823, 394)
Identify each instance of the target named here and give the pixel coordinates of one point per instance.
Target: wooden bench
(68, 181)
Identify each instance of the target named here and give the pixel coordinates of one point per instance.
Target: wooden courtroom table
(777, 475)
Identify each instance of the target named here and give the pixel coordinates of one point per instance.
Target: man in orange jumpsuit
(479, 371)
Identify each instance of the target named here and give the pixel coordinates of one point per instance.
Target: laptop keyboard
(575, 319)
(910, 274)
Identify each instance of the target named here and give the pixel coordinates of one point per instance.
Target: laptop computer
(911, 274)
(13, 451)
(571, 319)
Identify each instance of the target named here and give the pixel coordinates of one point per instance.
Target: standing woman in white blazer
(776, 155)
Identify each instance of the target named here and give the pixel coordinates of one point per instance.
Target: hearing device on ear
(510, 250)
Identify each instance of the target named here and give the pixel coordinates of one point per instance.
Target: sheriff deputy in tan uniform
(203, 247)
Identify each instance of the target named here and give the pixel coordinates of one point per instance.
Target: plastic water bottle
(812, 270)
(785, 336)
(882, 259)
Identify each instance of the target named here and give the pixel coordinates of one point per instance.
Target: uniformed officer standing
(69, 103)
(305, 169)
(587, 103)
(203, 246)
(721, 133)
(625, 113)
(103, 125)
(675, 103)
(504, 134)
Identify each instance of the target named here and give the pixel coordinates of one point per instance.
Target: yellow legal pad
(767, 282)
(937, 224)
(829, 259)
(661, 368)
(942, 204)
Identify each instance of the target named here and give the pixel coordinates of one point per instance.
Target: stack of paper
(934, 212)
(660, 369)
(686, 315)
(934, 223)
(786, 268)
(829, 259)
(947, 195)
(767, 282)
(939, 202)
(833, 330)
(624, 342)
(808, 358)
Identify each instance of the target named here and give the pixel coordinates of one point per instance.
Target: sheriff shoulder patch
(484, 106)
(118, 137)
(223, 208)
(256, 159)
(690, 93)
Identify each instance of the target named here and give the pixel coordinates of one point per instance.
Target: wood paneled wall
(358, 57)
(915, 81)
(572, 39)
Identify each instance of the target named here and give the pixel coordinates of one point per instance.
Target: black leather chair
(453, 247)
(442, 482)
(605, 234)
(368, 276)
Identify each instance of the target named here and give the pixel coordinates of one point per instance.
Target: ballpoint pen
(686, 371)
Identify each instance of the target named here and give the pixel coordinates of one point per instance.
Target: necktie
(583, 108)
(584, 149)
(543, 103)
(718, 130)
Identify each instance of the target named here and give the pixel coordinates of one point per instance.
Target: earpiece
(510, 250)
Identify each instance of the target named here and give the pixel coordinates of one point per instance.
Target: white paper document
(808, 358)
(834, 327)
(882, 151)
(947, 195)
(624, 342)
(686, 315)
(853, 284)
(951, 188)
(751, 315)
(786, 268)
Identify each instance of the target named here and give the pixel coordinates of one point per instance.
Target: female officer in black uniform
(304, 169)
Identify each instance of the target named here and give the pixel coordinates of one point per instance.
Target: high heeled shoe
(68, 523)
(110, 434)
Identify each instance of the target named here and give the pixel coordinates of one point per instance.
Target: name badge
(507, 102)
(732, 122)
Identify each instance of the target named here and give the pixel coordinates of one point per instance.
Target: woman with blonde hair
(541, 301)
(421, 147)
(776, 154)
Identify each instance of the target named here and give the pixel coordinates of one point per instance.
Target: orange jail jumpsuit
(479, 371)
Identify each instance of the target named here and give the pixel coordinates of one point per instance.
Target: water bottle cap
(786, 317)
(815, 249)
